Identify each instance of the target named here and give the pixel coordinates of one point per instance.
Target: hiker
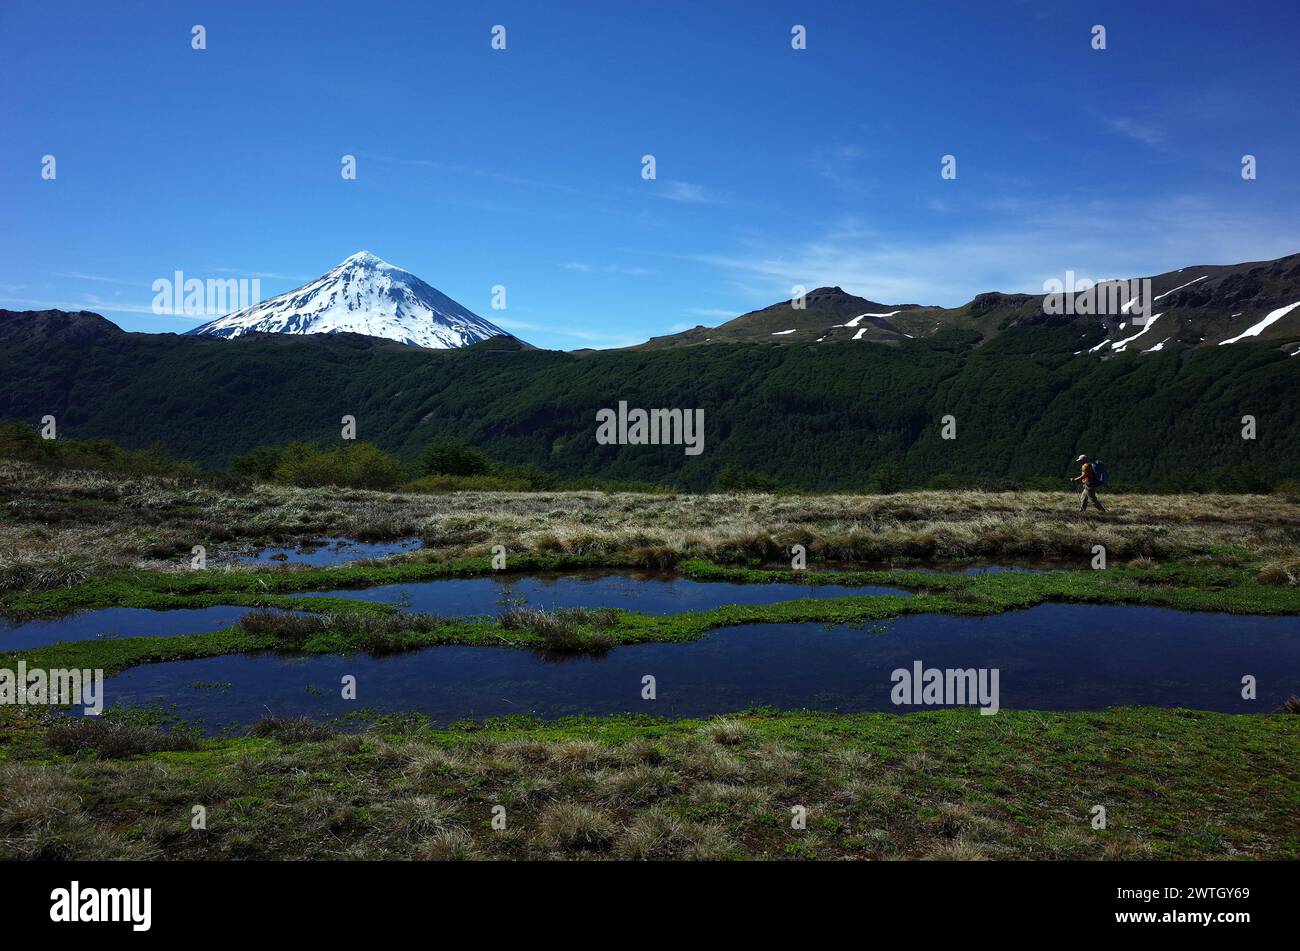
(1090, 479)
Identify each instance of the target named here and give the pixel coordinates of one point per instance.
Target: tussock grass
(422, 816)
(640, 785)
(447, 845)
(1283, 572)
(565, 630)
(371, 632)
(298, 729)
(107, 739)
(727, 732)
(60, 571)
(658, 834)
(943, 785)
(151, 522)
(291, 628)
(573, 826)
(575, 754)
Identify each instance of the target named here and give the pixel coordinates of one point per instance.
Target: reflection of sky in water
(646, 595)
(117, 622)
(1054, 656)
(450, 596)
(333, 551)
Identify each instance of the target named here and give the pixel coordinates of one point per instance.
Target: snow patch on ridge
(1120, 346)
(1273, 317)
(1180, 287)
(854, 321)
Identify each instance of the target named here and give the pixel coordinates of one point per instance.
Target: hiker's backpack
(1099, 474)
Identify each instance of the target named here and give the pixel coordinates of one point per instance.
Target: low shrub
(566, 630)
(291, 729)
(105, 739)
(354, 465)
(372, 633)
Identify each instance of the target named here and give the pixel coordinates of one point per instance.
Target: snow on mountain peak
(363, 295)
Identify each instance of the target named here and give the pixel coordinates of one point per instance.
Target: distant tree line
(448, 464)
(795, 417)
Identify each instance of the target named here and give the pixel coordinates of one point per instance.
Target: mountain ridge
(1197, 305)
(1190, 307)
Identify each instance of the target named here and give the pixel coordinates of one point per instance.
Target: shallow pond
(333, 551)
(453, 597)
(1054, 656)
(117, 622)
(647, 594)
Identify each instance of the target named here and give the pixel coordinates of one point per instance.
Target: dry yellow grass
(109, 522)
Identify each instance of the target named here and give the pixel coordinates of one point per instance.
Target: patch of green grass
(1186, 586)
(1176, 784)
(195, 589)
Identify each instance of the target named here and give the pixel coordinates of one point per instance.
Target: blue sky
(522, 167)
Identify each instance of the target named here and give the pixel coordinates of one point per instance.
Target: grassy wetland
(945, 784)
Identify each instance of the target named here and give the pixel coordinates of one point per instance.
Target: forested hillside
(830, 416)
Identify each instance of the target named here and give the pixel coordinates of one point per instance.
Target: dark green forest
(838, 416)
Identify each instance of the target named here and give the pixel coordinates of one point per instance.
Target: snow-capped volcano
(363, 295)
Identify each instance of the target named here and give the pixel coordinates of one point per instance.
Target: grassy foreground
(943, 785)
(949, 784)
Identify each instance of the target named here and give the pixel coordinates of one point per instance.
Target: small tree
(257, 463)
(448, 456)
(736, 479)
(19, 441)
(366, 466)
(888, 477)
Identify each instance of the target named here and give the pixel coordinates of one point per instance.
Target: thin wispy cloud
(583, 267)
(268, 275)
(600, 339)
(1136, 130)
(1092, 237)
(98, 278)
(486, 173)
(841, 166)
(1144, 132)
(688, 193)
(100, 307)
